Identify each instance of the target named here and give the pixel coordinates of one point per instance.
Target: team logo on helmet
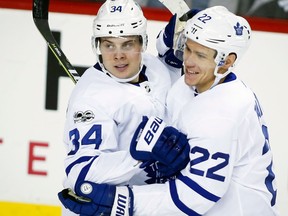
(238, 29)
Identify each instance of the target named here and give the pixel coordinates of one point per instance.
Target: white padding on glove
(150, 134)
(123, 202)
(160, 45)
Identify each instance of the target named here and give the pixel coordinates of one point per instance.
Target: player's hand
(169, 42)
(98, 199)
(153, 141)
(165, 44)
(151, 168)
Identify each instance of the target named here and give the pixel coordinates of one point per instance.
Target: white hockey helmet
(221, 30)
(119, 18)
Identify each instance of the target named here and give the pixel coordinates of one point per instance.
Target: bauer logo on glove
(154, 141)
(146, 136)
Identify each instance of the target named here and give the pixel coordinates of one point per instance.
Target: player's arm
(199, 186)
(194, 192)
(154, 141)
(93, 152)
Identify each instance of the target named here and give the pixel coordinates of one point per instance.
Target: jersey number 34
(93, 136)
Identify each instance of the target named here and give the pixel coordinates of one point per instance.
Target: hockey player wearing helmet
(119, 37)
(230, 170)
(110, 100)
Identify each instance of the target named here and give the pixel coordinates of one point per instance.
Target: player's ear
(231, 58)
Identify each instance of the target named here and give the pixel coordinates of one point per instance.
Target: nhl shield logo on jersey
(86, 116)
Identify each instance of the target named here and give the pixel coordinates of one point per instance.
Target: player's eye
(201, 55)
(187, 49)
(128, 45)
(109, 46)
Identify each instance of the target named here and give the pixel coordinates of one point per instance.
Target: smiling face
(199, 65)
(121, 56)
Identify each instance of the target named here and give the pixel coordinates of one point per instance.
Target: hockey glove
(153, 141)
(170, 42)
(98, 199)
(151, 168)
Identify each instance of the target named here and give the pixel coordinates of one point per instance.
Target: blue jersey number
(204, 156)
(93, 136)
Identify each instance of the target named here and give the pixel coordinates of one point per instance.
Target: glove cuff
(123, 202)
(145, 138)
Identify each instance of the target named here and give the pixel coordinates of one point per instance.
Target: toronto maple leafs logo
(238, 29)
(153, 174)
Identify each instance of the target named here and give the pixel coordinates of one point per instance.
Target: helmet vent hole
(110, 32)
(121, 31)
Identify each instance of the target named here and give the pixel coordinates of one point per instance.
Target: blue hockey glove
(165, 44)
(151, 168)
(98, 199)
(153, 141)
(169, 31)
(173, 26)
(169, 42)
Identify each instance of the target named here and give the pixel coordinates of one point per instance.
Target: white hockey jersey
(230, 170)
(102, 117)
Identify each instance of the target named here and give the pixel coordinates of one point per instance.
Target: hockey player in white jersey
(230, 170)
(110, 100)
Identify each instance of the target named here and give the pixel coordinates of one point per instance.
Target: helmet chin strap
(218, 76)
(123, 80)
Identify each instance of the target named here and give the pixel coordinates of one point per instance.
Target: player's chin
(190, 80)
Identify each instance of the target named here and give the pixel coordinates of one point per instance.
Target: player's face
(199, 65)
(121, 56)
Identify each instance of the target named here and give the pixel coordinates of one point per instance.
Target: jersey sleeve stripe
(85, 170)
(79, 160)
(198, 189)
(177, 201)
